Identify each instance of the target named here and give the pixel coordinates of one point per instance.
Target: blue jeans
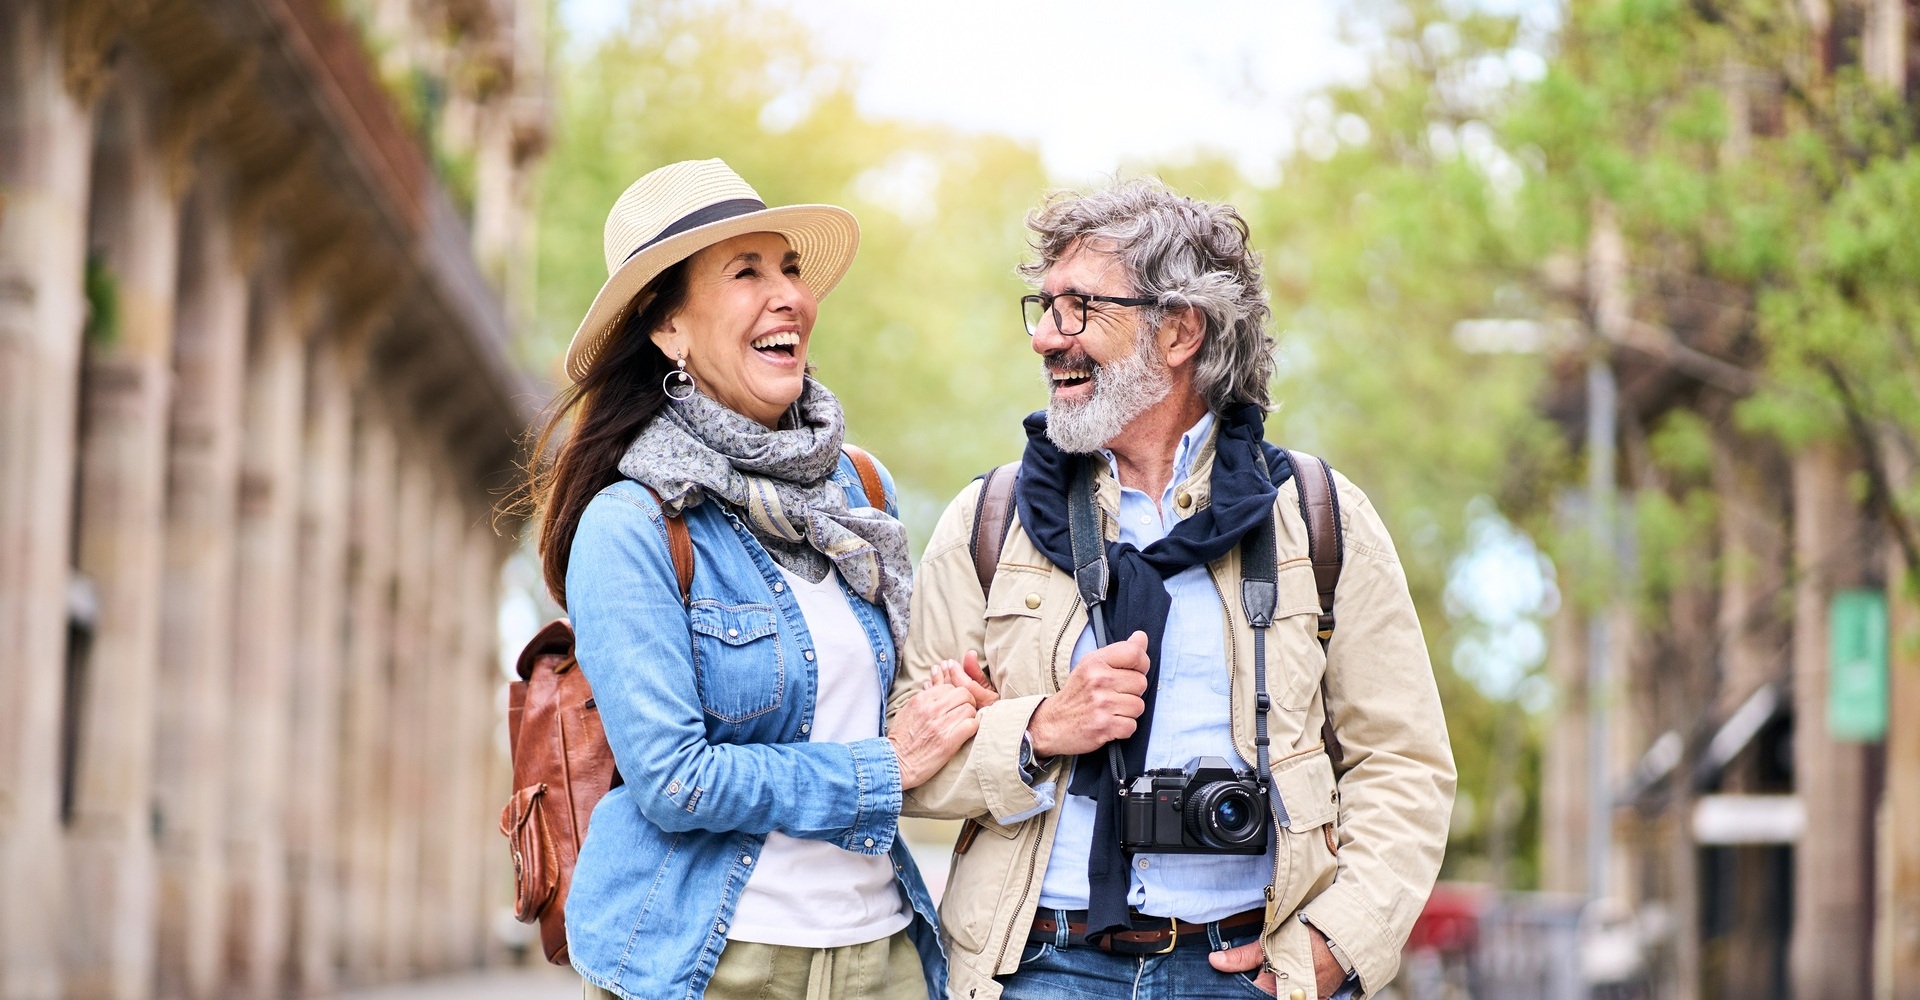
(1052, 972)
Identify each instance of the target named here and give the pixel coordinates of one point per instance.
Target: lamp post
(1602, 437)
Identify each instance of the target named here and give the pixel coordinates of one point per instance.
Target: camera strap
(1090, 575)
(1259, 596)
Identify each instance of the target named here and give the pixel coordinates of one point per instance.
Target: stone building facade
(257, 409)
(1763, 851)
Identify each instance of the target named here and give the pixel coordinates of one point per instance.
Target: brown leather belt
(1149, 936)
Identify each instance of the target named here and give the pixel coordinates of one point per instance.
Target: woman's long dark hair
(620, 393)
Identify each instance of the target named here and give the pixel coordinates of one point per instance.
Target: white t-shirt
(811, 893)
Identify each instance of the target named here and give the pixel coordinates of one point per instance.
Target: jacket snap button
(673, 788)
(1033, 601)
(1185, 500)
(1297, 994)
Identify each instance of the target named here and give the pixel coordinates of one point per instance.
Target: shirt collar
(1183, 455)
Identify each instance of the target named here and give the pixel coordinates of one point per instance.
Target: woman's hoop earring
(678, 385)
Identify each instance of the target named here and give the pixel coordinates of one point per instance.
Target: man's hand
(1099, 703)
(967, 675)
(1326, 969)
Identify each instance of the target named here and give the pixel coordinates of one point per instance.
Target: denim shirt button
(779, 588)
(733, 633)
(869, 841)
(808, 654)
(806, 727)
(746, 859)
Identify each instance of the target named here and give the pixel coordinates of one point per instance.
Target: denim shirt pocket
(737, 660)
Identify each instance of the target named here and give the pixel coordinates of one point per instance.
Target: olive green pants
(887, 969)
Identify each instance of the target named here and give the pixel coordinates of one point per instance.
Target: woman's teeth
(776, 340)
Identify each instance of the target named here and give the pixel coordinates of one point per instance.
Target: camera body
(1207, 807)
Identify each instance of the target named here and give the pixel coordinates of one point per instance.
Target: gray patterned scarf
(778, 480)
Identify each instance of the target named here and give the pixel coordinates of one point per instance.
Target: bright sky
(1095, 83)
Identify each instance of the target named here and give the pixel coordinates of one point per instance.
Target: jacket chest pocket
(1293, 644)
(737, 660)
(1014, 626)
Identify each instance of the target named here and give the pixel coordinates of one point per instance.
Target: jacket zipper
(1233, 657)
(1033, 856)
(1033, 867)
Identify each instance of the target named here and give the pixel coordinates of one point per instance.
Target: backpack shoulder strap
(869, 470)
(992, 518)
(680, 548)
(1320, 509)
(1327, 550)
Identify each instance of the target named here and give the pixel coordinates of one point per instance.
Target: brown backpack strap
(1320, 509)
(992, 517)
(1326, 549)
(680, 548)
(869, 470)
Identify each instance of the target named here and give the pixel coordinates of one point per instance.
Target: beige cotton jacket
(1364, 841)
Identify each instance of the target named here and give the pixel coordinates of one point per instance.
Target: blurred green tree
(922, 340)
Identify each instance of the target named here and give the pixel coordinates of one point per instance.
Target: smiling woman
(743, 333)
(743, 706)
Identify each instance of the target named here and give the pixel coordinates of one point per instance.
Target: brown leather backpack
(562, 765)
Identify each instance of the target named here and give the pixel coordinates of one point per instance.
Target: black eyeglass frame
(1046, 301)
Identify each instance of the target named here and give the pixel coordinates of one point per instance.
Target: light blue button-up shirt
(1190, 719)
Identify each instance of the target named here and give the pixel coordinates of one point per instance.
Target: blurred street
(542, 982)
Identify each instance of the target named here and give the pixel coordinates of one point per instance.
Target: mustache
(1068, 361)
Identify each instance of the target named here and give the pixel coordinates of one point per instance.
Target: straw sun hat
(682, 208)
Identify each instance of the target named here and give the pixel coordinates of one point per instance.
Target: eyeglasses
(1069, 310)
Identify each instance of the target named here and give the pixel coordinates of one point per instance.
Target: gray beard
(1122, 390)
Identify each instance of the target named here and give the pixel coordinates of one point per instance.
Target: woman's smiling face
(745, 325)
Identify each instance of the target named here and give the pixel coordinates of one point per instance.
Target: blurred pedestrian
(1131, 830)
(752, 850)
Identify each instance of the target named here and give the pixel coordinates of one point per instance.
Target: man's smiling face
(1101, 379)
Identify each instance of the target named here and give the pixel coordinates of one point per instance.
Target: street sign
(1857, 666)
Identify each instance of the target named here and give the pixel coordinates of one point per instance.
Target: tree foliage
(922, 340)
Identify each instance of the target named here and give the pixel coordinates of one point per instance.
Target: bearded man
(1152, 806)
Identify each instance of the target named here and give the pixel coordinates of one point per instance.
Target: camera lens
(1224, 814)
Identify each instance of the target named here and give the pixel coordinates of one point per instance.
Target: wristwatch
(1030, 766)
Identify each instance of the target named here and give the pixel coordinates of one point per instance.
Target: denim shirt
(1190, 719)
(707, 707)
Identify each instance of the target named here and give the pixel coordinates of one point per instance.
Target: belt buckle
(1173, 937)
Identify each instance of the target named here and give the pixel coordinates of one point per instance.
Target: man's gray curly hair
(1185, 253)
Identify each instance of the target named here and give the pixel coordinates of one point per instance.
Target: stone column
(367, 717)
(1832, 907)
(474, 678)
(318, 652)
(135, 238)
(45, 145)
(263, 640)
(411, 652)
(445, 831)
(197, 598)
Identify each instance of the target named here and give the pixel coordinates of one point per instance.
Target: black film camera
(1206, 807)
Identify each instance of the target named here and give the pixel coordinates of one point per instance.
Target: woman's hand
(967, 675)
(929, 729)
